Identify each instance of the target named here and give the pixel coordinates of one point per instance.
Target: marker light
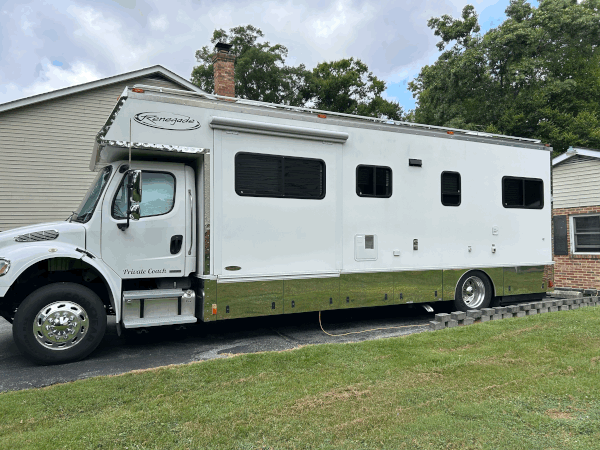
(4, 266)
(138, 90)
(321, 116)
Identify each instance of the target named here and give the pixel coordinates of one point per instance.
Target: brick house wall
(578, 271)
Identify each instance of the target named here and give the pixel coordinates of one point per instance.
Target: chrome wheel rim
(60, 325)
(473, 292)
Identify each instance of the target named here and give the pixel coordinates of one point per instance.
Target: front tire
(59, 323)
(473, 291)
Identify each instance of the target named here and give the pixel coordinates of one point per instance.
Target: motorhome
(210, 208)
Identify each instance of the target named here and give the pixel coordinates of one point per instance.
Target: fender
(23, 257)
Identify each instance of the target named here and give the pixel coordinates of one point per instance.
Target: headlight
(4, 266)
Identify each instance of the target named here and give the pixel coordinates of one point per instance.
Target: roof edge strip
(575, 152)
(337, 114)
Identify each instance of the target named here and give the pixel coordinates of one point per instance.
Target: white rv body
(272, 239)
(240, 255)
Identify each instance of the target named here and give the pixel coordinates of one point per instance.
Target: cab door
(153, 246)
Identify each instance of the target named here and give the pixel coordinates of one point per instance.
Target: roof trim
(100, 83)
(574, 152)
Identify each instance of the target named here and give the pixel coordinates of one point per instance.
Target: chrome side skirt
(284, 296)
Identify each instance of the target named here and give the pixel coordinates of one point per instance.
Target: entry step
(158, 321)
(152, 294)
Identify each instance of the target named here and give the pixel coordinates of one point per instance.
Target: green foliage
(260, 69)
(537, 75)
(347, 86)
(261, 74)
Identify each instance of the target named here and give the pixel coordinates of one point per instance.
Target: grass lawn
(528, 383)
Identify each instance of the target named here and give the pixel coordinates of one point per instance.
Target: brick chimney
(224, 74)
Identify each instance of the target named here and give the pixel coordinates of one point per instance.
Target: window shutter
(561, 246)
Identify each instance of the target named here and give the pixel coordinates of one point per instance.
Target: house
(576, 218)
(46, 141)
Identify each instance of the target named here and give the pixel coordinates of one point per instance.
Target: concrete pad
(434, 326)
(458, 315)
(442, 317)
(474, 313)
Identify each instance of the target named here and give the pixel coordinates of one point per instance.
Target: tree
(537, 75)
(260, 69)
(261, 74)
(347, 86)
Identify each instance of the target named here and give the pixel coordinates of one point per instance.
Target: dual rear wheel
(473, 291)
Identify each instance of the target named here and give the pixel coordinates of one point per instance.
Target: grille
(47, 235)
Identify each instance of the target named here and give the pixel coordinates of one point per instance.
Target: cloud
(159, 23)
(109, 37)
(51, 77)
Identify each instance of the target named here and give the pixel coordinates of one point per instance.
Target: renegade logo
(167, 121)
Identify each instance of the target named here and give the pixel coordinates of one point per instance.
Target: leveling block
(444, 320)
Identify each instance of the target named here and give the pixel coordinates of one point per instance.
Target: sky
(48, 45)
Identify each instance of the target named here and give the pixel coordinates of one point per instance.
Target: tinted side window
(526, 193)
(450, 188)
(258, 175)
(373, 181)
(158, 195)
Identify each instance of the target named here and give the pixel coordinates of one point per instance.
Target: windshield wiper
(83, 218)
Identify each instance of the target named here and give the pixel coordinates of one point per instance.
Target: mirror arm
(124, 226)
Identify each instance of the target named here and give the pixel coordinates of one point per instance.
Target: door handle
(191, 221)
(176, 242)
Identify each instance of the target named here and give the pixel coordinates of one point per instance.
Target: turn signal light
(138, 90)
(449, 132)
(321, 116)
(214, 308)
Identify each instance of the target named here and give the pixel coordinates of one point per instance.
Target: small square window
(373, 181)
(525, 193)
(450, 188)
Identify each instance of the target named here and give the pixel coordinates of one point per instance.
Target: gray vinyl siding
(576, 182)
(45, 149)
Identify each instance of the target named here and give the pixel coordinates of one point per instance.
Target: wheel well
(53, 271)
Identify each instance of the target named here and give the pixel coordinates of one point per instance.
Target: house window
(373, 181)
(586, 234)
(450, 188)
(258, 175)
(526, 193)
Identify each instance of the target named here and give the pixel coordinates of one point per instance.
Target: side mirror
(134, 197)
(135, 194)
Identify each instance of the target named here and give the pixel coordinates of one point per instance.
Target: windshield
(88, 204)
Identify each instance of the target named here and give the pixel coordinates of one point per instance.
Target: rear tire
(473, 291)
(59, 323)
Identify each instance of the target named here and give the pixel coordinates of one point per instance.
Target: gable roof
(575, 152)
(154, 70)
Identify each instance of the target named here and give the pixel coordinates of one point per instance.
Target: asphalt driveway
(163, 346)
